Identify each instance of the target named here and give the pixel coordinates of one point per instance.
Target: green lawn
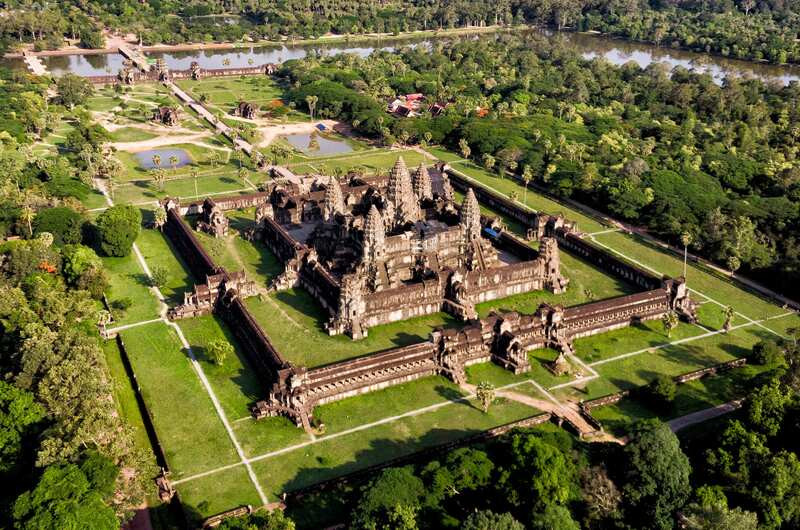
(353, 451)
(698, 279)
(131, 134)
(373, 161)
(125, 398)
(186, 422)
(199, 156)
(630, 339)
(158, 252)
(225, 182)
(691, 397)
(226, 92)
(216, 493)
(234, 382)
(127, 280)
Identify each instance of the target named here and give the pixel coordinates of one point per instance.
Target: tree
(463, 147)
(539, 473)
(311, 101)
(263, 520)
(686, 239)
(729, 313)
(219, 350)
(554, 517)
(765, 407)
(64, 223)
(670, 321)
(194, 174)
(392, 488)
(601, 495)
(160, 177)
(527, 176)
(73, 90)
(657, 474)
(156, 160)
(488, 520)
(27, 215)
(63, 498)
(173, 162)
(159, 276)
(661, 392)
(486, 394)
(488, 161)
(704, 517)
(19, 414)
(767, 352)
(118, 227)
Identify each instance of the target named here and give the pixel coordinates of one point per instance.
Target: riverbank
(324, 40)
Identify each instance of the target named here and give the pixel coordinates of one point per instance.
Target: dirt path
(162, 141)
(270, 132)
(704, 415)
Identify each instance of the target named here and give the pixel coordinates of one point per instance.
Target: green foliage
(554, 517)
(159, 276)
(274, 520)
(767, 352)
(219, 350)
(19, 413)
(488, 520)
(661, 392)
(64, 223)
(63, 499)
(539, 473)
(118, 228)
(73, 90)
(393, 488)
(766, 405)
(657, 476)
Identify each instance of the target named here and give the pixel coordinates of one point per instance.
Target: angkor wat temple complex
(373, 250)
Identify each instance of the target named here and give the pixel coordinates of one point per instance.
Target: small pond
(145, 158)
(315, 144)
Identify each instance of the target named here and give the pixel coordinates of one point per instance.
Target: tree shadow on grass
(449, 393)
(381, 453)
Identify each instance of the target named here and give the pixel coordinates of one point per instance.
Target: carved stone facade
(166, 115)
(213, 220)
(381, 249)
(246, 110)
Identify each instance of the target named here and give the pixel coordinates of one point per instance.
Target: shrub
(661, 392)
(158, 276)
(767, 352)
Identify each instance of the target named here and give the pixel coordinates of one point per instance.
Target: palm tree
(243, 175)
(27, 215)
(159, 177)
(156, 161)
(194, 174)
(729, 313)
(463, 145)
(485, 393)
(686, 239)
(527, 176)
(670, 322)
(173, 161)
(311, 101)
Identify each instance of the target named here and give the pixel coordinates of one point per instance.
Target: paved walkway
(35, 65)
(704, 415)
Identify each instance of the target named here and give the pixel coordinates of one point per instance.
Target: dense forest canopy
(676, 153)
(748, 29)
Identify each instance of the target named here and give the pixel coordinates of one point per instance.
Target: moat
(590, 46)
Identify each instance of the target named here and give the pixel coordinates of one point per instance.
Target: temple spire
(401, 194)
(334, 201)
(422, 184)
(374, 236)
(470, 217)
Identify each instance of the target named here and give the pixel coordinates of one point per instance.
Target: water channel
(590, 46)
